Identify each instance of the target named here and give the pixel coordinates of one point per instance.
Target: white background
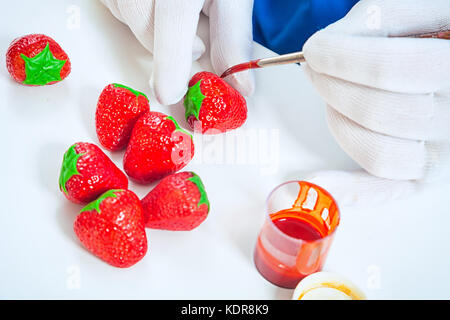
(396, 250)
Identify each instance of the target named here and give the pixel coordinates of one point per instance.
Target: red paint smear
(241, 67)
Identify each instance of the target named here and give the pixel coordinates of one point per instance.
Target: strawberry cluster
(112, 224)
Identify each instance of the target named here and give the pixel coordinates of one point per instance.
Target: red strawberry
(37, 60)
(87, 172)
(212, 105)
(158, 147)
(118, 109)
(112, 228)
(178, 202)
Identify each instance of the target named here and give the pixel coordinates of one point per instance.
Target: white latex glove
(167, 28)
(388, 96)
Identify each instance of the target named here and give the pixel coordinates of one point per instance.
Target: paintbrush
(298, 57)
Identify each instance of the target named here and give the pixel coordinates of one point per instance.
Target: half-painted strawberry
(118, 109)
(37, 60)
(112, 228)
(178, 202)
(157, 147)
(212, 105)
(87, 172)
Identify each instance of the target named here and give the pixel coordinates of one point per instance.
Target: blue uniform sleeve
(284, 25)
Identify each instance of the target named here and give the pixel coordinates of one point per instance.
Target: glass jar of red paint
(299, 227)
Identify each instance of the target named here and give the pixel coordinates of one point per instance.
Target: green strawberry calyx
(95, 205)
(69, 167)
(43, 68)
(177, 126)
(135, 92)
(193, 101)
(201, 188)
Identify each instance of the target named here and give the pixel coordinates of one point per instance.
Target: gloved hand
(167, 28)
(387, 95)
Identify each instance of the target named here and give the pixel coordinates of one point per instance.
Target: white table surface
(399, 250)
